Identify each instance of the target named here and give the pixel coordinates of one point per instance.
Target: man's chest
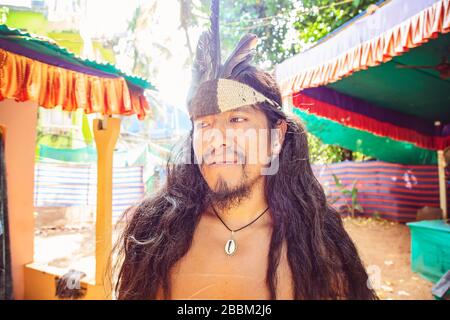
(207, 272)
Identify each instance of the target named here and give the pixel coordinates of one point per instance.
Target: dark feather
(215, 39)
(241, 56)
(206, 64)
(202, 64)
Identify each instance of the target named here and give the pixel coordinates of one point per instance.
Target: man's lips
(223, 163)
(220, 160)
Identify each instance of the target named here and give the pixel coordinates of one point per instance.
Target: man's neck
(247, 209)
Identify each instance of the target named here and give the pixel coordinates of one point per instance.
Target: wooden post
(442, 183)
(106, 132)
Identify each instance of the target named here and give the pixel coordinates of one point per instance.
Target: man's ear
(281, 129)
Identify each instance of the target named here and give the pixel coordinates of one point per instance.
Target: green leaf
(86, 130)
(336, 180)
(354, 195)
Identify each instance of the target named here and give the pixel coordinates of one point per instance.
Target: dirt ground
(384, 247)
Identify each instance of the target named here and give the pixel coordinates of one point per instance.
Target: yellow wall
(40, 281)
(19, 119)
(41, 285)
(31, 281)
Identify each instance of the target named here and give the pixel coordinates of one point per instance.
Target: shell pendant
(231, 246)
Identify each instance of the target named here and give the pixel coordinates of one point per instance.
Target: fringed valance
(302, 72)
(417, 133)
(22, 79)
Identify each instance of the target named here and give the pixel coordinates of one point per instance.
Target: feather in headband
(212, 90)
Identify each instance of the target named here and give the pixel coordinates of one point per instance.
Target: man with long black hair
(241, 215)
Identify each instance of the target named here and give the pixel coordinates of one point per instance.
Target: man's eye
(238, 119)
(201, 125)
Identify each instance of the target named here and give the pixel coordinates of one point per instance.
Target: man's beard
(224, 197)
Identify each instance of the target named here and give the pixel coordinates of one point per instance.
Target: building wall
(19, 119)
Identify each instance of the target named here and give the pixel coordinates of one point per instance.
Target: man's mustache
(228, 154)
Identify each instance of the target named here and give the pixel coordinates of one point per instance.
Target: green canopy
(331, 132)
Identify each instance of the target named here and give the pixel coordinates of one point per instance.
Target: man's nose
(219, 135)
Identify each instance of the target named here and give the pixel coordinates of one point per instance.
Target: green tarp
(86, 154)
(418, 92)
(382, 148)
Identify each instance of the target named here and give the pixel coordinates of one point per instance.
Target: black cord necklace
(231, 245)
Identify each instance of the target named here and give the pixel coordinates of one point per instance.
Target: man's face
(232, 147)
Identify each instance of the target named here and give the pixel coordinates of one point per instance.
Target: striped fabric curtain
(66, 185)
(387, 190)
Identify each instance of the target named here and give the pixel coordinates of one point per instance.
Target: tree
(136, 27)
(327, 153)
(317, 18)
(236, 19)
(145, 43)
(185, 21)
(285, 27)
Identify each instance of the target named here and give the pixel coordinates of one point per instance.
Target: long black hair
(322, 257)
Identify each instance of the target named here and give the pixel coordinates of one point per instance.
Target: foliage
(61, 139)
(270, 20)
(33, 22)
(146, 43)
(3, 14)
(140, 60)
(350, 207)
(320, 153)
(317, 18)
(36, 23)
(285, 27)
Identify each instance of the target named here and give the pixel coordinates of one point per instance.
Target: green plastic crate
(430, 248)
